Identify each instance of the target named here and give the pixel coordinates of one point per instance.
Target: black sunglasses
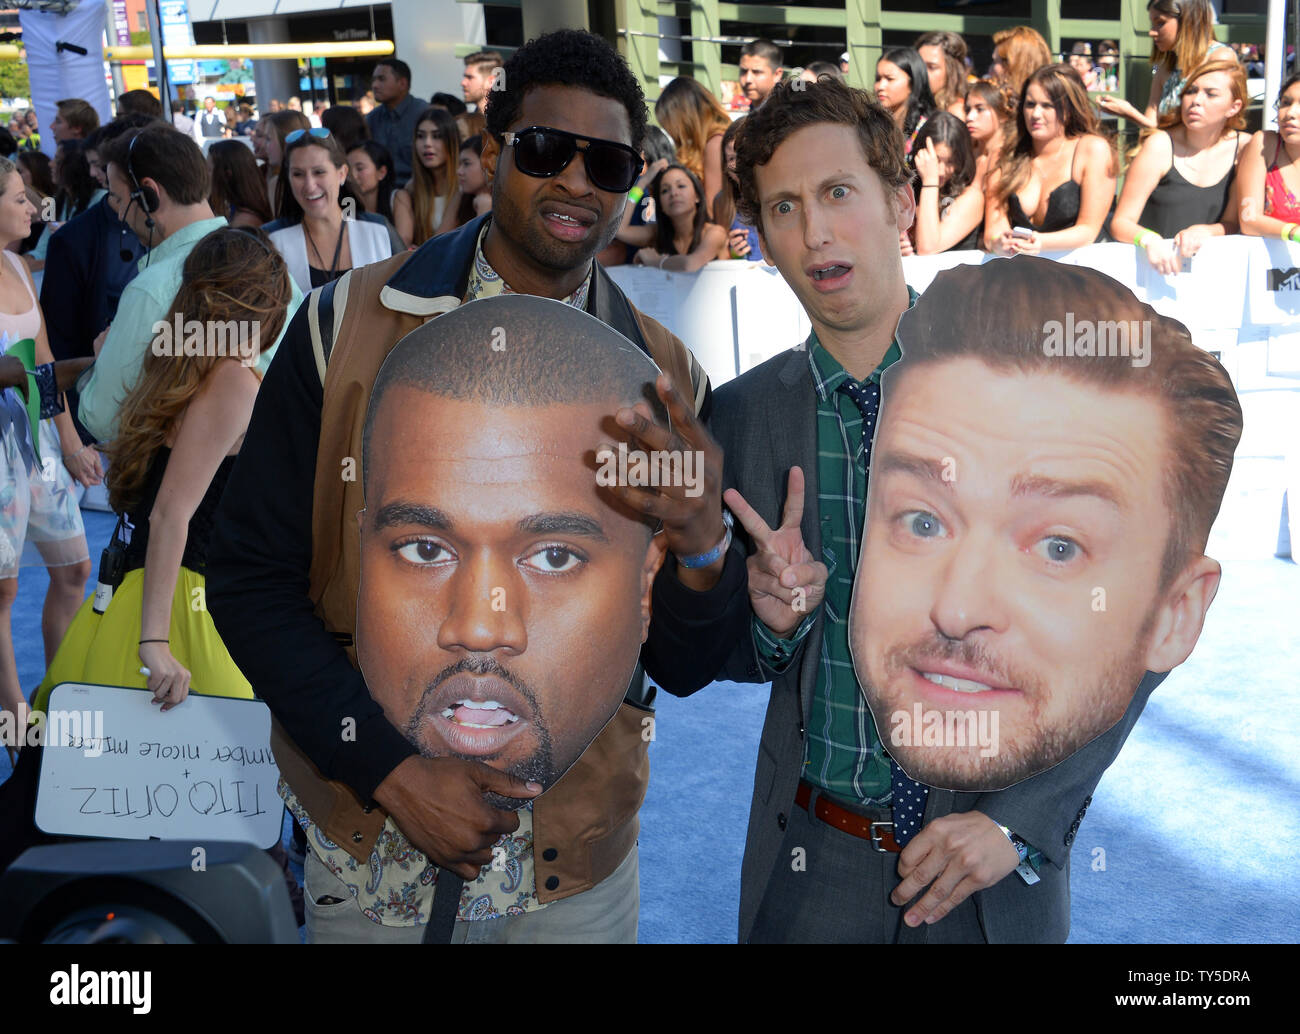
(544, 152)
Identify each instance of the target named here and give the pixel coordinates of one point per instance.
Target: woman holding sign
(181, 429)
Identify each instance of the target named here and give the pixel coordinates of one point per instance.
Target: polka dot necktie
(909, 796)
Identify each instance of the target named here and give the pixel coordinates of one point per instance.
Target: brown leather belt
(881, 834)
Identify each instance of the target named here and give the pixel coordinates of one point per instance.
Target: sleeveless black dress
(1176, 204)
(200, 530)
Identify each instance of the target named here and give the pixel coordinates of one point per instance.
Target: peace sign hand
(785, 582)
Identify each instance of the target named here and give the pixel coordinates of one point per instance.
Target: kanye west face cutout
(503, 596)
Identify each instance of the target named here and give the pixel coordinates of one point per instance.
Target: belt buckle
(876, 839)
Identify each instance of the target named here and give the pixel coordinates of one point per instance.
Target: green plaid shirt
(843, 754)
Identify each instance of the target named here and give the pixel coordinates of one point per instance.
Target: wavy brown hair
(1068, 95)
(954, 64)
(230, 275)
(1022, 52)
(792, 107)
(691, 115)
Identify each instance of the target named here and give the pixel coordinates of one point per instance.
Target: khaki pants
(606, 914)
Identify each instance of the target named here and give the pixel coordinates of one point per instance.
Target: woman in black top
(1182, 187)
(1052, 190)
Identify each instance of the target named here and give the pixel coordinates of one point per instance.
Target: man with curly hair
(387, 827)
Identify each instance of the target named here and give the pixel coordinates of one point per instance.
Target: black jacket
(83, 281)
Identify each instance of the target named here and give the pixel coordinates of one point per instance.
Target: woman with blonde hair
(1181, 187)
(696, 121)
(181, 429)
(1053, 187)
(1020, 52)
(1182, 38)
(429, 203)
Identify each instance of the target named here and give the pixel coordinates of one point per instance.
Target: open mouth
(829, 275)
(567, 222)
(477, 716)
(486, 714)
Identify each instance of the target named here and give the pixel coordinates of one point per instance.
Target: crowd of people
(417, 207)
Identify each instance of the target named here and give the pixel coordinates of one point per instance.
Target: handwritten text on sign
(202, 771)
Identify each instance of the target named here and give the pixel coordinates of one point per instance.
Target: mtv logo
(1284, 279)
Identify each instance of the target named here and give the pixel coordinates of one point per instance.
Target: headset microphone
(126, 254)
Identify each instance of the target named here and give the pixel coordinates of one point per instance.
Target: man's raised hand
(691, 514)
(785, 581)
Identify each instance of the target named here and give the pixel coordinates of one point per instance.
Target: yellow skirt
(104, 648)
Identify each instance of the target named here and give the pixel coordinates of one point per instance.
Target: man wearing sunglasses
(284, 566)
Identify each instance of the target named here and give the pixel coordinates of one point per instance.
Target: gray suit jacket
(766, 421)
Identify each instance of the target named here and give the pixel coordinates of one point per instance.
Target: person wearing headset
(158, 184)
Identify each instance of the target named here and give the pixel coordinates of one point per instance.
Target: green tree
(14, 81)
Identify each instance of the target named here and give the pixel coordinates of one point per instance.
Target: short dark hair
(546, 361)
(141, 102)
(454, 105)
(997, 312)
(166, 156)
(821, 68)
(484, 57)
(567, 57)
(794, 106)
(401, 70)
(765, 49)
(8, 145)
(346, 123)
(100, 138)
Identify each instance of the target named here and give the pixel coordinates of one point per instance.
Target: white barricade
(1239, 298)
(733, 315)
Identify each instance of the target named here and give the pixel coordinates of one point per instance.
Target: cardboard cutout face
(503, 597)
(1013, 590)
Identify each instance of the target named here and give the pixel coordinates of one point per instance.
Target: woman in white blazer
(323, 230)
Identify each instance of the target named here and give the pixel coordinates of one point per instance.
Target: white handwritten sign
(201, 771)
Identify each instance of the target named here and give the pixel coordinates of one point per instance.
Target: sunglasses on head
(544, 152)
(319, 132)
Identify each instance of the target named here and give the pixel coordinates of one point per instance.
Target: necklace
(338, 248)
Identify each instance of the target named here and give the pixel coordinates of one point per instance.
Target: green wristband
(635, 194)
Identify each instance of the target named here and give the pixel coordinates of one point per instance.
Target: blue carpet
(1192, 836)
